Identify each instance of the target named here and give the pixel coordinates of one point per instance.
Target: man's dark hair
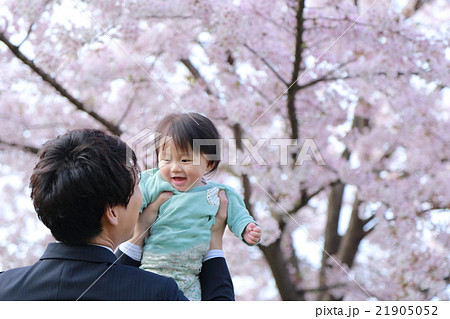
(78, 176)
(184, 128)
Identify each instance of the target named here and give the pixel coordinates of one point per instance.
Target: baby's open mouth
(178, 180)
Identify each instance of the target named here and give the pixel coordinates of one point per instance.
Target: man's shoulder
(137, 275)
(13, 273)
(13, 280)
(146, 285)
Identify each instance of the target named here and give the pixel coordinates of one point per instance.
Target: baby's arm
(239, 220)
(252, 234)
(147, 218)
(152, 185)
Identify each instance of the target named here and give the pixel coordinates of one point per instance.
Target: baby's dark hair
(184, 128)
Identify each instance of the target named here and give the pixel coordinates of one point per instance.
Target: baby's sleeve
(238, 215)
(148, 186)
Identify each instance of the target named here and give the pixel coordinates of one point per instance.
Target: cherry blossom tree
(334, 115)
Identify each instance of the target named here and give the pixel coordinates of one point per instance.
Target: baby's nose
(176, 167)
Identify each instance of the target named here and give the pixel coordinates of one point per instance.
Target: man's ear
(210, 166)
(111, 216)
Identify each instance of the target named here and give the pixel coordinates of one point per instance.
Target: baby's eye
(186, 160)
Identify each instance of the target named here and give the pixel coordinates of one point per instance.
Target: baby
(180, 236)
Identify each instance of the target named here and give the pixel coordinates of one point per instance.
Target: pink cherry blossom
(371, 90)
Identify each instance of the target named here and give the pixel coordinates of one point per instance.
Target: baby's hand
(252, 234)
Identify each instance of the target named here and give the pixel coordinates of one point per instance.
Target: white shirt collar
(109, 248)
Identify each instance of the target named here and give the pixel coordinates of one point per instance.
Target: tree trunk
(332, 238)
(277, 264)
(353, 236)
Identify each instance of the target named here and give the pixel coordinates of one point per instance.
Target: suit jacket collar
(82, 252)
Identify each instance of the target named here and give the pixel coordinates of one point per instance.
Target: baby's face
(181, 169)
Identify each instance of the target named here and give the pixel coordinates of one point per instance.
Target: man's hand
(252, 234)
(147, 218)
(221, 221)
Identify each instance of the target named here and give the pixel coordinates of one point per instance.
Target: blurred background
(335, 118)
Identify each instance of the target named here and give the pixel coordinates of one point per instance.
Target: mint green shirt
(185, 220)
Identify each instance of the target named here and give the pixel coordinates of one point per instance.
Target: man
(85, 190)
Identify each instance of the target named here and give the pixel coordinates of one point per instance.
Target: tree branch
(28, 34)
(196, 74)
(26, 148)
(127, 110)
(268, 65)
(304, 199)
(412, 7)
(292, 89)
(58, 87)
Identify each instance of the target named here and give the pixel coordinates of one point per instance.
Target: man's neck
(103, 241)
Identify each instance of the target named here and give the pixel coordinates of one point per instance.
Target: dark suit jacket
(87, 272)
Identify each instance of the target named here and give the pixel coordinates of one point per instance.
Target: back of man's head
(78, 176)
